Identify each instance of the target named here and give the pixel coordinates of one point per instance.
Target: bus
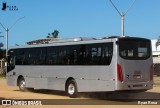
(82, 65)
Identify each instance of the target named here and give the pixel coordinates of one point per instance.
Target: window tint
(88, 54)
(74, 55)
(31, 56)
(99, 54)
(11, 60)
(40, 56)
(64, 55)
(52, 56)
(134, 48)
(20, 57)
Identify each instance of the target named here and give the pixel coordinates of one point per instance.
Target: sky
(78, 18)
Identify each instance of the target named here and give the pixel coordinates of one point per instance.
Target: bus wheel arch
(18, 79)
(71, 88)
(21, 83)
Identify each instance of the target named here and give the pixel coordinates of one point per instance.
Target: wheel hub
(22, 85)
(71, 89)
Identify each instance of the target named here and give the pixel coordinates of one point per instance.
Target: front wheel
(71, 89)
(22, 84)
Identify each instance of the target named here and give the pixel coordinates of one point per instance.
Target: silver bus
(82, 65)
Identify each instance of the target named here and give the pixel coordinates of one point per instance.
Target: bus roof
(68, 41)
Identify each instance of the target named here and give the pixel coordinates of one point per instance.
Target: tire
(71, 89)
(22, 84)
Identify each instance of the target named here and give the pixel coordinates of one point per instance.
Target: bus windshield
(134, 48)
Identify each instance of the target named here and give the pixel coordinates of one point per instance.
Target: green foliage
(2, 53)
(53, 34)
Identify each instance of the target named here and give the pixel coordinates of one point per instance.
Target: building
(156, 57)
(155, 52)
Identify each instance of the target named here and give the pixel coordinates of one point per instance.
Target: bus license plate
(137, 76)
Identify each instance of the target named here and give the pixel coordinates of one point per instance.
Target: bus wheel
(22, 84)
(71, 89)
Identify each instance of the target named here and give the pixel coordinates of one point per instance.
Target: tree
(48, 35)
(2, 53)
(53, 34)
(158, 42)
(1, 44)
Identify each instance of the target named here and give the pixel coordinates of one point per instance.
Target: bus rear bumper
(135, 86)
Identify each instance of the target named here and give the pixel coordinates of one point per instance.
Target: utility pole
(122, 15)
(7, 30)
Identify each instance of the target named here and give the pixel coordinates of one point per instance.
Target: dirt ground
(59, 99)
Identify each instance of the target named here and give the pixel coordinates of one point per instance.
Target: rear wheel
(71, 89)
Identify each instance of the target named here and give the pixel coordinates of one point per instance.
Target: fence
(2, 67)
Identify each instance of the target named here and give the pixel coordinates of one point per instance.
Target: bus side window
(11, 58)
(12, 61)
(41, 56)
(107, 54)
(81, 59)
(52, 56)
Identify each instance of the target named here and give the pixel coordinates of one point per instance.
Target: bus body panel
(136, 70)
(136, 75)
(135, 60)
(11, 79)
(88, 78)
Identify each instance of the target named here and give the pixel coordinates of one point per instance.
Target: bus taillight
(151, 72)
(119, 72)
